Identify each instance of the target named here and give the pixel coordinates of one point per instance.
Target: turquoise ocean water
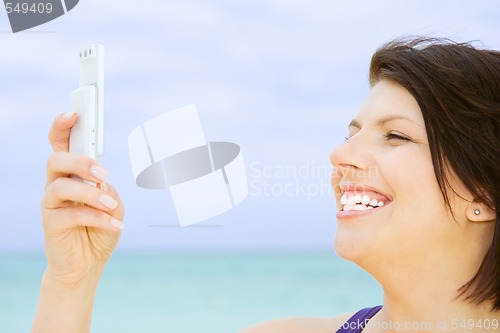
(211, 292)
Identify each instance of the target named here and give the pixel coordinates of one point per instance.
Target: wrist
(65, 284)
(72, 280)
(65, 305)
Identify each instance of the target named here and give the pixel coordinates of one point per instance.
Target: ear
(479, 212)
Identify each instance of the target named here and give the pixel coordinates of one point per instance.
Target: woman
(417, 185)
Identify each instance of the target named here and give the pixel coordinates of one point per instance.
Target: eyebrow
(381, 122)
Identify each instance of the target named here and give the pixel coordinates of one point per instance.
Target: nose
(352, 158)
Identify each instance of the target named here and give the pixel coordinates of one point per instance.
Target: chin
(346, 248)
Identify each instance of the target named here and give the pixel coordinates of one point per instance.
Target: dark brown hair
(457, 87)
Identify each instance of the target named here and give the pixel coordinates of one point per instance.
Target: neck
(429, 302)
(430, 315)
(421, 287)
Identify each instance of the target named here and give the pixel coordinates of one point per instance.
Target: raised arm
(82, 225)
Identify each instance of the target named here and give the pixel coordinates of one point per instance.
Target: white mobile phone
(87, 136)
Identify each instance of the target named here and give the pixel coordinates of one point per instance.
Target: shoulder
(300, 325)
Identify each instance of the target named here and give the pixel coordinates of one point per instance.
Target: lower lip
(355, 213)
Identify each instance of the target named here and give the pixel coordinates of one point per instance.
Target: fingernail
(104, 187)
(99, 173)
(68, 115)
(108, 201)
(116, 223)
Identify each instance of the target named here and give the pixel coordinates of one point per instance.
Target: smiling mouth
(356, 197)
(359, 202)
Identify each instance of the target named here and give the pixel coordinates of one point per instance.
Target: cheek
(411, 176)
(418, 202)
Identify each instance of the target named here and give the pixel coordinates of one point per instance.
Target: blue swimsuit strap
(357, 322)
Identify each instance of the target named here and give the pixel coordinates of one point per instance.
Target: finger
(60, 130)
(63, 164)
(71, 217)
(64, 190)
(119, 211)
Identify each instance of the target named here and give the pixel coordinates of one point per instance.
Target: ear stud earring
(477, 211)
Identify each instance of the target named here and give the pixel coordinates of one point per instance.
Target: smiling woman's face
(389, 203)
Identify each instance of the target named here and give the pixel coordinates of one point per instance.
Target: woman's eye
(396, 136)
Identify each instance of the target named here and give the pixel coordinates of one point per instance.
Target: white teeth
(343, 199)
(356, 207)
(358, 198)
(359, 202)
(351, 200)
(359, 207)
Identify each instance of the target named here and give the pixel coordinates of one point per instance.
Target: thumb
(60, 130)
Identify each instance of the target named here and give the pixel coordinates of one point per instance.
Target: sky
(282, 79)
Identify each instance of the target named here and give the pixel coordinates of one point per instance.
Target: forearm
(65, 308)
